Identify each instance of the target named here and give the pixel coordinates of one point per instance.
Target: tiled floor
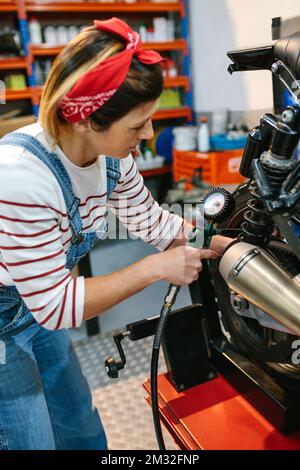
(126, 416)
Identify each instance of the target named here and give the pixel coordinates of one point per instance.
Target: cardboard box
(9, 125)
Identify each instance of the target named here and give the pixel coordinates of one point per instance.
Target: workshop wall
(217, 26)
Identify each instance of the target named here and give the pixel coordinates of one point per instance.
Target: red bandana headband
(98, 85)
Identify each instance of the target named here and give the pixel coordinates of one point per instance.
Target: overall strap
(54, 164)
(113, 174)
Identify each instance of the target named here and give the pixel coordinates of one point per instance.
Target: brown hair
(143, 83)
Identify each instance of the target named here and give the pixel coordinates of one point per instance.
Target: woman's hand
(219, 244)
(181, 265)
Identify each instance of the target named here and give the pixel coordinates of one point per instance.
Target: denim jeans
(45, 401)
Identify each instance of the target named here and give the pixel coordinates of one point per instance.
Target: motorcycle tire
(272, 350)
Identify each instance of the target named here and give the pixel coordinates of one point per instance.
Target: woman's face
(124, 135)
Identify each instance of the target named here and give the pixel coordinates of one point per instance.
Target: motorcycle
(257, 280)
(245, 319)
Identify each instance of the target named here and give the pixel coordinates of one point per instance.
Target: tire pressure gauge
(218, 205)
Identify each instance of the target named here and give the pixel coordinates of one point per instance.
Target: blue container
(222, 142)
(164, 144)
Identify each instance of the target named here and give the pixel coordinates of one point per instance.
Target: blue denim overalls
(45, 401)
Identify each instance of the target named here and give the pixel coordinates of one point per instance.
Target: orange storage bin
(218, 167)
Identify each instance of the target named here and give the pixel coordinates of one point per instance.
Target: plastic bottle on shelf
(185, 138)
(171, 29)
(219, 121)
(148, 155)
(47, 68)
(35, 31)
(232, 132)
(172, 69)
(164, 67)
(62, 34)
(38, 73)
(150, 35)
(143, 33)
(72, 32)
(50, 35)
(203, 136)
(160, 29)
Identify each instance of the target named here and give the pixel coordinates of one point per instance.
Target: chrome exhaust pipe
(254, 274)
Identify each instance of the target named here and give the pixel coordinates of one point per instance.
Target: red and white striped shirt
(35, 232)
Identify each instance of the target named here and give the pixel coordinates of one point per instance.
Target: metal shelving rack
(22, 8)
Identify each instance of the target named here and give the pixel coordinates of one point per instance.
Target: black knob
(112, 367)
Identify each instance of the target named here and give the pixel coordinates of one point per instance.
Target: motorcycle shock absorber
(276, 164)
(257, 224)
(276, 168)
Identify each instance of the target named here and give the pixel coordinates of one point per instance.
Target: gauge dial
(218, 204)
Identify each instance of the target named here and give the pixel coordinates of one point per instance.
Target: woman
(56, 185)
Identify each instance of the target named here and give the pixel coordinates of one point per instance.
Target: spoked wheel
(274, 350)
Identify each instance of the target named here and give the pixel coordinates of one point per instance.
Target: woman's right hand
(181, 265)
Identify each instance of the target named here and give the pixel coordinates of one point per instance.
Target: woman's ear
(82, 127)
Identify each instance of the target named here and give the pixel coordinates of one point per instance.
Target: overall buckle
(76, 239)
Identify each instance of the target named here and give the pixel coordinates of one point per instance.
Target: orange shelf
(180, 81)
(8, 6)
(10, 63)
(117, 7)
(156, 171)
(182, 112)
(49, 49)
(12, 95)
(178, 44)
(46, 50)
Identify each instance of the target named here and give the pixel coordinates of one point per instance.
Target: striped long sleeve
(32, 251)
(134, 205)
